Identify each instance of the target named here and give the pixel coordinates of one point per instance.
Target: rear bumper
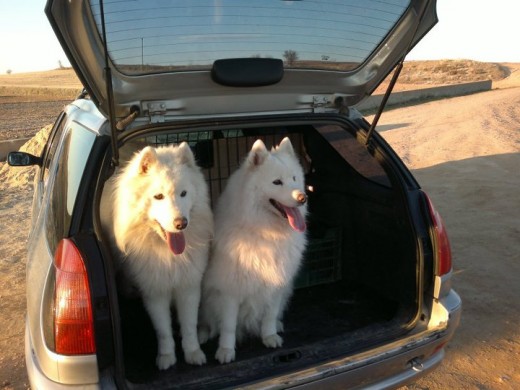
(37, 379)
(365, 380)
(387, 367)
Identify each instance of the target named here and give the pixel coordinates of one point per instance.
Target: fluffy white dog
(161, 228)
(258, 246)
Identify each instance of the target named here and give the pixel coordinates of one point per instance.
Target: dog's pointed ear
(285, 146)
(147, 158)
(186, 154)
(258, 153)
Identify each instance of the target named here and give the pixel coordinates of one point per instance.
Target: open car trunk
(360, 280)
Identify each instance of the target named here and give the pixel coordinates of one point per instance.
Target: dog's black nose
(180, 223)
(301, 198)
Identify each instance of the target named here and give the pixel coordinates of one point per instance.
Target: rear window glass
(147, 36)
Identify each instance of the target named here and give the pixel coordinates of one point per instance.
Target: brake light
(441, 242)
(73, 320)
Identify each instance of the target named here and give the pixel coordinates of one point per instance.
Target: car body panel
(387, 365)
(40, 380)
(65, 369)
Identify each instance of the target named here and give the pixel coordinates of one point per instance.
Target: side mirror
(22, 159)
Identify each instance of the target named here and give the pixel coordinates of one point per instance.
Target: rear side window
(76, 146)
(51, 146)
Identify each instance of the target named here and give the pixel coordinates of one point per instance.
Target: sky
(468, 29)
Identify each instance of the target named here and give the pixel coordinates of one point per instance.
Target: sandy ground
(465, 153)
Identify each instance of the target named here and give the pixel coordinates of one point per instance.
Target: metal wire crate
(219, 154)
(321, 261)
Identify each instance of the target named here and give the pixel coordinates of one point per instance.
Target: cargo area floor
(320, 321)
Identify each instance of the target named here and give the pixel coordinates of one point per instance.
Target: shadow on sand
(479, 202)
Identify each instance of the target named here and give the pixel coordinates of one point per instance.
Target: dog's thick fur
(258, 246)
(161, 230)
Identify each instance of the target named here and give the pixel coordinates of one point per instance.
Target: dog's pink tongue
(295, 218)
(176, 242)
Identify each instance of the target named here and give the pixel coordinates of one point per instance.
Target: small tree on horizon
(290, 57)
(8, 71)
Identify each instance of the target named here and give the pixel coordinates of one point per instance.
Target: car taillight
(441, 242)
(73, 320)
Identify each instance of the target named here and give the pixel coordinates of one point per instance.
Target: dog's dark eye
(294, 178)
(277, 182)
(183, 194)
(159, 196)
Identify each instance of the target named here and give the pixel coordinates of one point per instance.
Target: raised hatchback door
(163, 51)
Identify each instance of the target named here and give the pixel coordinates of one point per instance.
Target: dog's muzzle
(292, 214)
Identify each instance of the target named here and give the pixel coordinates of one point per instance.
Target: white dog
(258, 246)
(162, 227)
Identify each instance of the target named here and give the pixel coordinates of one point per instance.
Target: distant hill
(63, 83)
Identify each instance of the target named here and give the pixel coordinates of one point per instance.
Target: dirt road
(465, 153)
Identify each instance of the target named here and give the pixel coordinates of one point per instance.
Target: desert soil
(465, 152)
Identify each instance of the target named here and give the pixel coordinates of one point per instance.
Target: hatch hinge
(322, 104)
(330, 104)
(156, 111)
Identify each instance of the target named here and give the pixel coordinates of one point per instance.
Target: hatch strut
(110, 93)
(389, 89)
(395, 76)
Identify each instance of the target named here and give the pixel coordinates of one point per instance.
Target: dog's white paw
(196, 357)
(225, 355)
(165, 361)
(272, 341)
(203, 334)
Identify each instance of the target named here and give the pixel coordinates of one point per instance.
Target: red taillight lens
(73, 321)
(441, 241)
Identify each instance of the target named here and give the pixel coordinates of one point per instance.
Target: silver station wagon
(373, 305)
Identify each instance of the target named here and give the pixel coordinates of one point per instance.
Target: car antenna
(110, 92)
(395, 76)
